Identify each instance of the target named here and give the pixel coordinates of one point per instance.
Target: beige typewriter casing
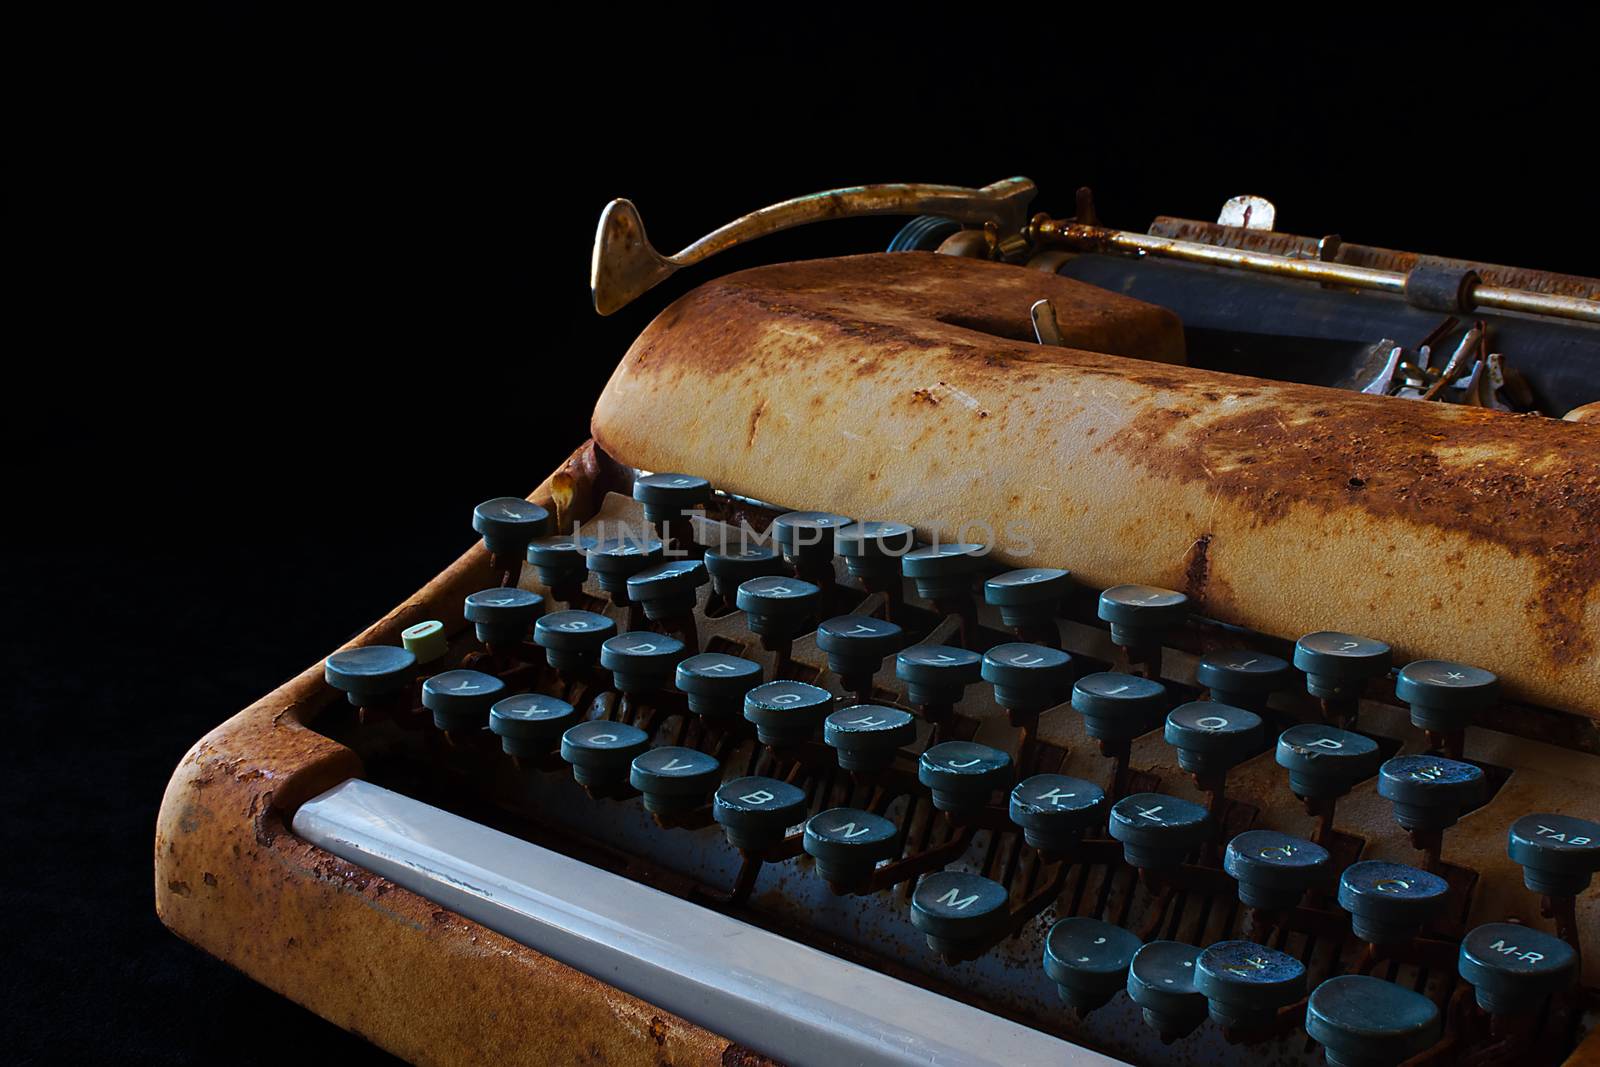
(903, 387)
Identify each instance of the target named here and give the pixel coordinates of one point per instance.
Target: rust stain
(755, 422)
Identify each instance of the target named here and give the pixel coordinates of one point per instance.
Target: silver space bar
(781, 998)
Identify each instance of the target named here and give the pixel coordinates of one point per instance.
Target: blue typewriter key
(866, 736)
(503, 615)
(856, 646)
(1028, 597)
(616, 559)
(1140, 615)
(572, 639)
(715, 683)
(460, 700)
(873, 549)
(1117, 707)
(1514, 968)
(962, 774)
(1054, 811)
(1445, 696)
(1430, 792)
(1558, 853)
(528, 722)
(1156, 830)
(1389, 902)
(1245, 983)
(1274, 870)
(937, 674)
(1324, 761)
(426, 641)
(786, 713)
(1337, 665)
(559, 559)
(667, 590)
(1211, 738)
(731, 566)
(943, 571)
(1027, 677)
(1161, 983)
(958, 912)
(1241, 678)
(1361, 1021)
(667, 496)
(807, 536)
(600, 752)
(508, 523)
(848, 843)
(673, 778)
(1088, 961)
(369, 671)
(755, 813)
(641, 662)
(778, 607)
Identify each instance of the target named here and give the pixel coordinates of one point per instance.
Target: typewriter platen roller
(936, 656)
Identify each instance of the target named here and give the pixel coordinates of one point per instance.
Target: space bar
(781, 998)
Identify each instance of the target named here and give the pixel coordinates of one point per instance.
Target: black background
(309, 290)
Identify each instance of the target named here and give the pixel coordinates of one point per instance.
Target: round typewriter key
(508, 523)
(667, 590)
(600, 751)
(1088, 960)
(460, 700)
(1274, 870)
(937, 674)
(641, 661)
(1027, 677)
(807, 536)
(616, 559)
(1156, 830)
(572, 639)
(559, 560)
(962, 774)
(866, 736)
(528, 722)
(730, 566)
(1337, 664)
(786, 712)
(778, 607)
(1430, 792)
(503, 615)
(369, 671)
(1242, 679)
(941, 571)
(1361, 1021)
(715, 683)
(848, 843)
(873, 549)
(755, 813)
(1445, 696)
(1117, 707)
(957, 911)
(1211, 738)
(668, 496)
(1389, 902)
(857, 644)
(1054, 811)
(1324, 761)
(1245, 983)
(1514, 968)
(674, 778)
(1161, 983)
(1027, 597)
(1140, 615)
(1558, 853)
(426, 640)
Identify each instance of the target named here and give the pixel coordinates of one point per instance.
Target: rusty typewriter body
(1035, 643)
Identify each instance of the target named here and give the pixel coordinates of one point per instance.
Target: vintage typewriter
(1033, 644)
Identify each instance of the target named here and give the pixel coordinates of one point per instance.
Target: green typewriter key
(1361, 1021)
(641, 662)
(426, 641)
(502, 616)
(1161, 983)
(1055, 811)
(1389, 902)
(616, 559)
(1157, 831)
(937, 675)
(1274, 870)
(1338, 665)
(958, 913)
(963, 774)
(528, 723)
(1514, 968)
(1117, 707)
(600, 752)
(715, 683)
(1028, 597)
(806, 538)
(1141, 615)
(1245, 983)
(787, 712)
(856, 646)
(1027, 677)
(572, 639)
(559, 560)
(460, 700)
(1324, 762)
(1445, 696)
(674, 779)
(942, 572)
(667, 590)
(1243, 679)
(508, 523)
(1088, 961)
(1558, 853)
(755, 813)
(667, 497)
(364, 674)
(1430, 792)
(865, 737)
(1212, 738)
(848, 843)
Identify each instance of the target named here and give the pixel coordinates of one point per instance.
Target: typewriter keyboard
(1092, 813)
